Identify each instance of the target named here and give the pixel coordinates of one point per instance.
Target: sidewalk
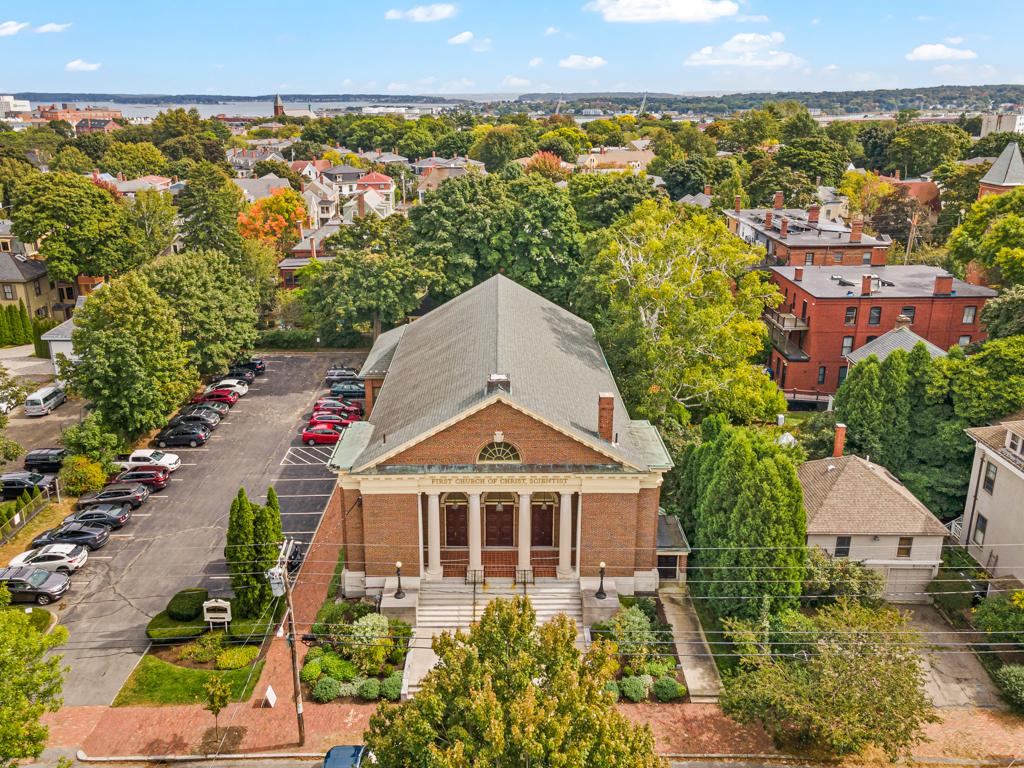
(699, 669)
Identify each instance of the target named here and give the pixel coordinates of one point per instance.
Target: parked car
(339, 373)
(335, 409)
(44, 400)
(324, 418)
(295, 557)
(329, 401)
(34, 585)
(87, 535)
(45, 460)
(192, 435)
(111, 515)
(217, 396)
(321, 434)
(207, 419)
(232, 385)
(353, 388)
(7, 405)
(56, 558)
(245, 374)
(344, 757)
(219, 409)
(352, 405)
(256, 365)
(123, 494)
(147, 457)
(156, 477)
(13, 484)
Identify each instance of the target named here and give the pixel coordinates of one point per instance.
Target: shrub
(331, 665)
(647, 681)
(311, 671)
(361, 609)
(187, 604)
(79, 475)
(401, 632)
(331, 619)
(1010, 677)
(238, 657)
(391, 688)
(951, 591)
(370, 690)
(667, 688)
(1002, 618)
(632, 688)
(632, 632)
(250, 630)
(370, 642)
(162, 628)
(613, 688)
(205, 649)
(352, 687)
(314, 653)
(387, 670)
(326, 689)
(397, 655)
(659, 668)
(627, 671)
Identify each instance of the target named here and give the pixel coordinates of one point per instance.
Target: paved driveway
(956, 679)
(176, 540)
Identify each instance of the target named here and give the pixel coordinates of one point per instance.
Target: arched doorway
(499, 519)
(456, 520)
(542, 520)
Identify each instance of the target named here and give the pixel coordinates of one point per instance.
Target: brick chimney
(768, 220)
(778, 201)
(707, 190)
(902, 321)
(739, 203)
(812, 214)
(784, 228)
(857, 229)
(897, 174)
(865, 285)
(837, 449)
(605, 415)
(799, 274)
(943, 285)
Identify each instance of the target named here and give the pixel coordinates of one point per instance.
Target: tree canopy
(993, 236)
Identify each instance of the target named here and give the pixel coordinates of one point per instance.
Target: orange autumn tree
(276, 220)
(548, 165)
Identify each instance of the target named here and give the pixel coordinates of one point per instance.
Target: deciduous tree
(993, 236)
(601, 198)
(152, 214)
(132, 160)
(70, 159)
(921, 148)
(275, 220)
(815, 157)
(1003, 316)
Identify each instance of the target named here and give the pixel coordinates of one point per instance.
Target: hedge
(236, 658)
(1010, 677)
(326, 689)
(951, 591)
(306, 339)
(162, 628)
(187, 604)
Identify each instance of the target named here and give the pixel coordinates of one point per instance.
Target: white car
(56, 558)
(148, 458)
(234, 385)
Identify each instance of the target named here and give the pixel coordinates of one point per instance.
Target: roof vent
(845, 282)
(830, 467)
(837, 277)
(499, 381)
(889, 283)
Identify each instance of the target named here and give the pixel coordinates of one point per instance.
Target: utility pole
(910, 240)
(277, 574)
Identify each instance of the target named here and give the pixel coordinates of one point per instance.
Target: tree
(815, 157)
(895, 213)
(992, 235)
(174, 123)
(864, 191)
(799, 688)
(993, 144)
(17, 329)
(500, 146)
(90, 440)
(959, 185)
(241, 557)
(282, 171)
(26, 323)
(218, 696)
(274, 507)
(751, 129)
(876, 137)
(132, 160)
(62, 128)
(10, 391)
(558, 146)
(1003, 316)
(133, 365)
(921, 148)
(92, 145)
(31, 683)
(686, 177)
(601, 198)
(152, 213)
(267, 539)
(258, 265)
(573, 135)
(509, 693)
(209, 207)
(303, 150)
(799, 126)
(767, 177)
(548, 166)
(214, 305)
(72, 160)
(818, 435)
(894, 383)
(6, 340)
(457, 143)
(275, 220)
(858, 404)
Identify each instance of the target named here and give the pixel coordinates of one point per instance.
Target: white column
(524, 531)
(564, 570)
(434, 569)
(475, 563)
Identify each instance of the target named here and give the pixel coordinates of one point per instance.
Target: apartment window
(866, 258)
(52, 285)
(847, 345)
(42, 312)
(842, 546)
(5, 246)
(821, 374)
(969, 313)
(989, 483)
(842, 375)
(288, 279)
(809, 260)
(909, 313)
(870, 339)
(875, 316)
(904, 547)
(1014, 442)
(9, 292)
(785, 293)
(837, 259)
(851, 315)
(38, 287)
(964, 340)
(979, 530)
(803, 311)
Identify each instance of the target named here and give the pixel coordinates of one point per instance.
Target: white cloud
(52, 28)
(756, 19)
(12, 27)
(939, 51)
(647, 11)
(398, 87)
(371, 84)
(347, 81)
(482, 45)
(456, 86)
(515, 82)
(815, 21)
(831, 67)
(545, 87)
(434, 12)
(953, 40)
(427, 81)
(551, 31)
(80, 66)
(988, 69)
(746, 49)
(537, 61)
(463, 37)
(582, 62)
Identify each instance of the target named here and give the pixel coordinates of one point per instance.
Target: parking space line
(299, 513)
(191, 449)
(98, 557)
(193, 464)
(141, 514)
(302, 496)
(220, 577)
(154, 496)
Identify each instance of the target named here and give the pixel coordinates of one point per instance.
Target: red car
(342, 405)
(326, 418)
(336, 410)
(155, 477)
(217, 396)
(321, 434)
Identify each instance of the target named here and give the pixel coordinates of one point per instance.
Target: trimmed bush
(397, 656)
(647, 681)
(1010, 677)
(352, 688)
(361, 609)
(667, 688)
(326, 689)
(238, 657)
(311, 671)
(163, 629)
(371, 644)
(187, 604)
(387, 670)
(370, 690)
(341, 670)
(391, 689)
(627, 671)
(632, 688)
(613, 688)
(314, 653)
(951, 591)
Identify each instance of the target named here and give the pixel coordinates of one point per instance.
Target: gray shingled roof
(440, 368)
(383, 352)
(897, 338)
(16, 268)
(1008, 169)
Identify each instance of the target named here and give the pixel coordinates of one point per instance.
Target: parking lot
(176, 539)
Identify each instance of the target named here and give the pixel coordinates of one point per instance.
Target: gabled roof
(374, 178)
(18, 268)
(699, 199)
(1007, 170)
(897, 338)
(848, 495)
(383, 352)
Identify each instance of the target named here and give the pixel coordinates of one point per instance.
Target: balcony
(785, 347)
(785, 321)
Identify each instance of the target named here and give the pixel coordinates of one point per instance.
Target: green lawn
(156, 683)
(39, 618)
(723, 652)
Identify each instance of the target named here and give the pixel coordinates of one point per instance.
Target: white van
(44, 400)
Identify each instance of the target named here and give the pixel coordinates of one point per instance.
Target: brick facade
(609, 535)
(389, 528)
(310, 590)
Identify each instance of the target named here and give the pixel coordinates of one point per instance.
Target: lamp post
(600, 590)
(399, 593)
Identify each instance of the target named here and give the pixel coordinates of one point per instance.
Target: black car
(44, 460)
(192, 435)
(206, 419)
(88, 535)
(34, 585)
(221, 409)
(130, 495)
(13, 484)
(237, 372)
(112, 515)
(337, 373)
(353, 388)
(255, 365)
(295, 557)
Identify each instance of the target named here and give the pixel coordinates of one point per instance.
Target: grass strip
(723, 652)
(155, 683)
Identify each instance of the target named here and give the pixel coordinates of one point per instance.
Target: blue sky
(478, 46)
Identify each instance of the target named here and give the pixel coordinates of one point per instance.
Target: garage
(906, 585)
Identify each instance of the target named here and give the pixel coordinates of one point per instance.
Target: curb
(81, 757)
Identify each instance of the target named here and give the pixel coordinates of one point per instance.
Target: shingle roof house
(1006, 173)
(899, 337)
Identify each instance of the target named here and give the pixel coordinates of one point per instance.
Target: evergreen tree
(895, 418)
(14, 325)
(26, 323)
(5, 330)
(209, 207)
(241, 556)
(275, 507)
(859, 406)
(266, 547)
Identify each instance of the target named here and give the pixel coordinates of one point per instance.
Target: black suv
(255, 365)
(89, 535)
(185, 434)
(45, 459)
(13, 484)
(34, 585)
(236, 372)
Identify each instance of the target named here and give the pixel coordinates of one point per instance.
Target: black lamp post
(399, 593)
(600, 590)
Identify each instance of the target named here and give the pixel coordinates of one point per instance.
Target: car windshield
(38, 578)
(157, 455)
(35, 477)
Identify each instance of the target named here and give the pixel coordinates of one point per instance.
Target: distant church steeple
(278, 106)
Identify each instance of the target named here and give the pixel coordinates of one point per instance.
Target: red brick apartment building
(829, 311)
(73, 114)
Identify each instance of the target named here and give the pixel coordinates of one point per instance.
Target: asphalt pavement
(176, 539)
